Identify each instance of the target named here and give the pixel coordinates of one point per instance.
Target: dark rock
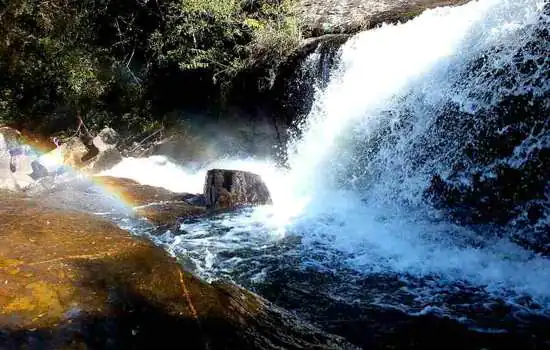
(104, 160)
(195, 199)
(38, 170)
(303, 73)
(499, 173)
(73, 280)
(227, 189)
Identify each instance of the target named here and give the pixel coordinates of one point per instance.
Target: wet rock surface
(500, 174)
(8, 136)
(135, 193)
(105, 155)
(31, 166)
(350, 16)
(20, 179)
(158, 205)
(228, 189)
(23, 175)
(73, 280)
(224, 190)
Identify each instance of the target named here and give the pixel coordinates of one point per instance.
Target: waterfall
(380, 119)
(417, 120)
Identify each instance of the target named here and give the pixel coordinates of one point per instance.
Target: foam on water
(378, 241)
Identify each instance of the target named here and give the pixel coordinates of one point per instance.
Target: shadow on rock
(72, 280)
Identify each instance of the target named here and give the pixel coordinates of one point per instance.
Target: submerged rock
(73, 280)
(227, 189)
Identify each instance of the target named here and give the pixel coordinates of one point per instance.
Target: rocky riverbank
(73, 280)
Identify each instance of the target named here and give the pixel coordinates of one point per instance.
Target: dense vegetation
(129, 63)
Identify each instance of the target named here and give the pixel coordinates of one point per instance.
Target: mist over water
(402, 105)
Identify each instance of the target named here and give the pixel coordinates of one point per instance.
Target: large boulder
(319, 17)
(75, 153)
(107, 138)
(227, 189)
(72, 280)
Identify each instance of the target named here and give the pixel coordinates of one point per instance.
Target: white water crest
(354, 193)
(368, 203)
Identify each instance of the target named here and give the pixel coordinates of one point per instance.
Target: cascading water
(401, 191)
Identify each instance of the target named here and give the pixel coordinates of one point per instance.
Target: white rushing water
(383, 223)
(354, 194)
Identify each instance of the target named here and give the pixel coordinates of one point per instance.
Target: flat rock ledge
(71, 280)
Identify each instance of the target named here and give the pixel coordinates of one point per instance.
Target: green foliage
(103, 59)
(224, 36)
(278, 35)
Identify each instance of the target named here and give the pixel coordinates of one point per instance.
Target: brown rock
(76, 154)
(169, 213)
(321, 17)
(227, 189)
(158, 205)
(134, 193)
(72, 280)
